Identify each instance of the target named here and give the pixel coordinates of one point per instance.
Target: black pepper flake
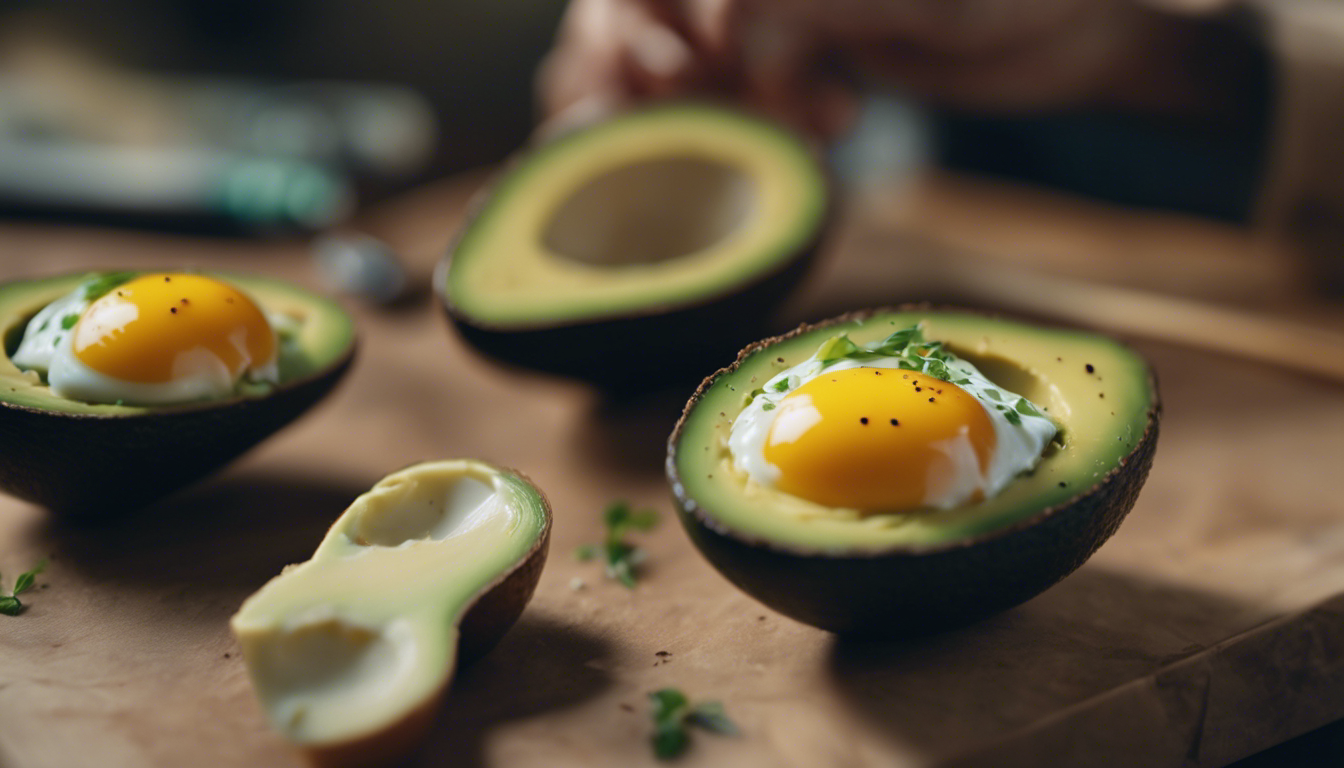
(663, 653)
(1063, 484)
(919, 389)
(1091, 368)
(779, 359)
(1101, 394)
(168, 279)
(931, 400)
(1060, 359)
(895, 423)
(185, 302)
(863, 420)
(173, 310)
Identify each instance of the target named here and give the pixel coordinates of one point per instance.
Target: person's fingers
(587, 60)
(655, 59)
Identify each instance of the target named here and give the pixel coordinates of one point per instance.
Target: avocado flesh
(99, 460)
(347, 648)
(893, 574)
(738, 195)
(324, 333)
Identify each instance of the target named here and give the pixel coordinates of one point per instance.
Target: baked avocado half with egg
(95, 459)
(351, 651)
(912, 570)
(641, 247)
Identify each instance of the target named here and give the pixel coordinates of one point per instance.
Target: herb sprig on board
(620, 556)
(673, 716)
(10, 605)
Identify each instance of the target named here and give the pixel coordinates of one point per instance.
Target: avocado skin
(641, 352)
(912, 590)
(90, 465)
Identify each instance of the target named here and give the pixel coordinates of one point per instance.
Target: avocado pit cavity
(652, 211)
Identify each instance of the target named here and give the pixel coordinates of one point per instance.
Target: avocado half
(351, 651)
(647, 245)
(95, 460)
(915, 572)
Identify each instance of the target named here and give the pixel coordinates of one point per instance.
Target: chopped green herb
(1012, 418)
(908, 345)
(768, 407)
(780, 386)
(99, 286)
(620, 556)
(672, 713)
(1025, 408)
(752, 395)
(993, 394)
(69, 321)
(10, 606)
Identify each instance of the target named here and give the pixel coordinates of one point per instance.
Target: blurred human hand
(800, 60)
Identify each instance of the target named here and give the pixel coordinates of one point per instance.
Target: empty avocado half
(638, 248)
(95, 460)
(925, 569)
(351, 651)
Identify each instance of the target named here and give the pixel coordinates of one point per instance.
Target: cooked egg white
(862, 432)
(153, 340)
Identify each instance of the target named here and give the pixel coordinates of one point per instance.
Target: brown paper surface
(1210, 627)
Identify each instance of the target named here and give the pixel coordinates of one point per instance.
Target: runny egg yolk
(876, 439)
(156, 327)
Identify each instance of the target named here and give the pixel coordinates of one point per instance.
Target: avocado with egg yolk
(917, 570)
(97, 459)
(638, 248)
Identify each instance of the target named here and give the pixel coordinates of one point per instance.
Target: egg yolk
(157, 328)
(876, 439)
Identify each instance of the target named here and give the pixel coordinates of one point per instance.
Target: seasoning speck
(863, 420)
(173, 310)
(1091, 368)
(895, 423)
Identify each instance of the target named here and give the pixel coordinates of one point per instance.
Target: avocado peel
(935, 570)
(352, 651)
(90, 460)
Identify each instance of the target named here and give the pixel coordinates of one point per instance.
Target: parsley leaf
(10, 606)
(908, 345)
(100, 285)
(672, 714)
(69, 321)
(619, 556)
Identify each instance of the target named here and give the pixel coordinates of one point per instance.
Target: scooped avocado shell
(92, 460)
(351, 651)
(648, 244)
(918, 571)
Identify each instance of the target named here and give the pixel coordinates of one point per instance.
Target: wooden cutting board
(1210, 627)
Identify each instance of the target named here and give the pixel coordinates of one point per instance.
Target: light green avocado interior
(1102, 413)
(365, 632)
(321, 334)
(662, 207)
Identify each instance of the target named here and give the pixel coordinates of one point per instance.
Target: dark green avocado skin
(93, 466)
(642, 352)
(913, 592)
